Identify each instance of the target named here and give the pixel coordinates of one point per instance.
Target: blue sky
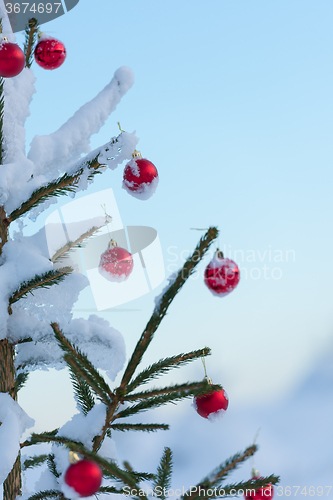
(232, 102)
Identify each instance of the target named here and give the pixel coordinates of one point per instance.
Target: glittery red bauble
(116, 264)
(266, 492)
(12, 59)
(50, 53)
(139, 175)
(221, 275)
(211, 403)
(85, 477)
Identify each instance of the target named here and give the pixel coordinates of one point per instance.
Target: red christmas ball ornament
(12, 59)
(140, 177)
(221, 275)
(211, 405)
(85, 477)
(49, 53)
(116, 263)
(265, 492)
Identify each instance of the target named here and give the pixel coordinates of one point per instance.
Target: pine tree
(28, 185)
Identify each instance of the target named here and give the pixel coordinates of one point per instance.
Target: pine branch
(190, 388)
(51, 465)
(72, 244)
(30, 442)
(31, 32)
(82, 392)
(35, 461)
(164, 365)
(77, 358)
(88, 378)
(62, 186)
(155, 402)
(21, 380)
(109, 489)
(109, 467)
(53, 277)
(164, 471)
(43, 495)
(221, 472)
(139, 427)
(203, 491)
(161, 308)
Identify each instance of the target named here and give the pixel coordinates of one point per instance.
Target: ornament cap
(73, 457)
(136, 154)
(112, 243)
(219, 254)
(255, 472)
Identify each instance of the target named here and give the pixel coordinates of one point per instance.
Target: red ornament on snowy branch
(221, 275)
(140, 177)
(116, 263)
(49, 53)
(85, 477)
(12, 59)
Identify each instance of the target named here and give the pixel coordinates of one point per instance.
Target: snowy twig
(63, 185)
(72, 244)
(46, 280)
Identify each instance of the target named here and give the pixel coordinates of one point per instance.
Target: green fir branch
(34, 461)
(189, 388)
(88, 378)
(155, 402)
(164, 365)
(64, 185)
(109, 467)
(63, 251)
(31, 32)
(164, 472)
(82, 391)
(163, 305)
(109, 489)
(77, 359)
(21, 380)
(53, 277)
(139, 427)
(43, 495)
(52, 466)
(221, 472)
(38, 437)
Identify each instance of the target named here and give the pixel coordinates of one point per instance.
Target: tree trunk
(12, 485)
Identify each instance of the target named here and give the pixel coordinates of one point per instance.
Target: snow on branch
(58, 150)
(37, 195)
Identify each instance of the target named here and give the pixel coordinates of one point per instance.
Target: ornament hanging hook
(121, 130)
(108, 219)
(209, 380)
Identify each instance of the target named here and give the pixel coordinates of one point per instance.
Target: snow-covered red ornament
(116, 263)
(212, 405)
(49, 53)
(140, 177)
(85, 477)
(261, 493)
(221, 275)
(12, 59)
